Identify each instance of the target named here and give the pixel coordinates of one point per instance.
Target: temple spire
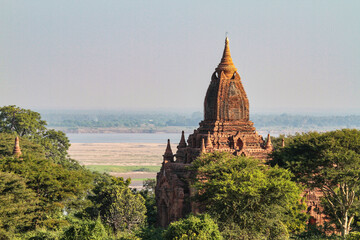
(226, 64)
(182, 143)
(17, 150)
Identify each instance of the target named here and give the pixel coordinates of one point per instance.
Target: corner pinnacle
(168, 151)
(182, 142)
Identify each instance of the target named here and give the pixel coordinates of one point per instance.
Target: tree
(56, 145)
(22, 121)
(87, 229)
(55, 185)
(148, 193)
(200, 227)
(249, 200)
(117, 205)
(28, 125)
(18, 204)
(330, 162)
(27, 146)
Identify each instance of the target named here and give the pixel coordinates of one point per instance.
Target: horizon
(314, 112)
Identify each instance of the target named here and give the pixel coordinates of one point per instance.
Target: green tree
(22, 121)
(18, 204)
(55, 185)
(249, 200)
(27, 146)
(29, 125)
(56, 145)
(148, 194)
(330, 162)
(86, 230)
(119, 207)
(200, 227)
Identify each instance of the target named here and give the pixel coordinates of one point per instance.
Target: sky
(292, 56)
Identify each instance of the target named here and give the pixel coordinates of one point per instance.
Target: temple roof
(226, 98)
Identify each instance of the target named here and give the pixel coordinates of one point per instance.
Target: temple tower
(226, 127)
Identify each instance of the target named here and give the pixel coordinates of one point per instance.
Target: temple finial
(17, 150)
(226, 64)
(182, 143)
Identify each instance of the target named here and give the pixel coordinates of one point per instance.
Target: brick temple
(226, 127)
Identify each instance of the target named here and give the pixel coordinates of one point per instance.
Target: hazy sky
(292, 55)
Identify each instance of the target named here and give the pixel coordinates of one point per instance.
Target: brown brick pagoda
(226, 127)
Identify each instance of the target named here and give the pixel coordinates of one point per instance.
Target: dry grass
(119, 154)
(111, 157)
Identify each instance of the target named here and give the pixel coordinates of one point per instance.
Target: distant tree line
(133, 120)
(129, 120)
(303, 121)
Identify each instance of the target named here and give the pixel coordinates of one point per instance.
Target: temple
(226, 127)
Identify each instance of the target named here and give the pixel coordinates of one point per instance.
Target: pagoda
(226, 127)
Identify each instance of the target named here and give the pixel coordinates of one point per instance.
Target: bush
(84, 230)
(200, 227)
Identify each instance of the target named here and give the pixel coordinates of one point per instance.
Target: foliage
(54, 185)
(87, 229)
(43, 186)
(148, 193)
(27, 146)
(28, 125)
(117, 205)
(127, 210)
(330, 162)
(41, 234)
(149, 185)
(249, 200)
(56, 145)
(18, 204)
(22, 121)
(353, 236)
(150, 233)
(200, 227)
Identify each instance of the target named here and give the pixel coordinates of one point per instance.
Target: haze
(293, 56)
